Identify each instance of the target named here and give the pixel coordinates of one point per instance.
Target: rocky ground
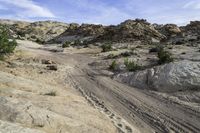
(116, 70)
(36, 98)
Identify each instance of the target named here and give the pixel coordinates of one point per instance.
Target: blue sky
(102, 11)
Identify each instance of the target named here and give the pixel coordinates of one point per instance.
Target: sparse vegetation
(139, 46)
(7, 45)
(131, 65)
(52, 93)
(170, 47)
(21, 33)
(106, 47)
(126, 54)
(111, 56)
(66, 44)
(179, 42)
(154, 50)
(77, 42)
(164, 56)
(113, 65)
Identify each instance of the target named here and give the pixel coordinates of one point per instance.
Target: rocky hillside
(82, 32)
(133, 31)
(192, 32)
(40, 32)
(128, 31)
(138, 30)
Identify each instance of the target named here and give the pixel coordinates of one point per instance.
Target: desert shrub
(179, 42)
(164, 56)
(66, 44)
(106, 47)
(170, 47)
(113, 65)
(139, 46)
(21, 33)
(126, 54)
(7, 45)
(154, 50)
(52, 93)
(111, 56)
(77, 43)
(131, 65)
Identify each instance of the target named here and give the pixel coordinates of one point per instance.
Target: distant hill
(128, 31)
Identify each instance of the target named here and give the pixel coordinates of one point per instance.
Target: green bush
(164, 56)
(106, 47)
(131, 65)
(7, 45)
(66, 44)
(113, 65)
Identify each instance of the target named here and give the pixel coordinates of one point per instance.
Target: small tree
(7, 45)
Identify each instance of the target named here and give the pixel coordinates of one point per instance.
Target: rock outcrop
(40, 31)
(36, 100)
(128, 31)
(192, 32)
(169, 30)
(178, 76)
(81, 32)
(132, 30)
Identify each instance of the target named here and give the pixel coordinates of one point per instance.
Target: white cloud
(27, 9)
(192, 5)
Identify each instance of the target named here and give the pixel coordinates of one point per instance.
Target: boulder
(120, 68)
(173, 77)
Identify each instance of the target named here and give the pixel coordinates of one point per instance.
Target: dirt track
(131, 109)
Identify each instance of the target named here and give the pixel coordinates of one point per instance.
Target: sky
(104, 12)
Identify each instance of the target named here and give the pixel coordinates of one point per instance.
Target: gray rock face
(178, 76)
